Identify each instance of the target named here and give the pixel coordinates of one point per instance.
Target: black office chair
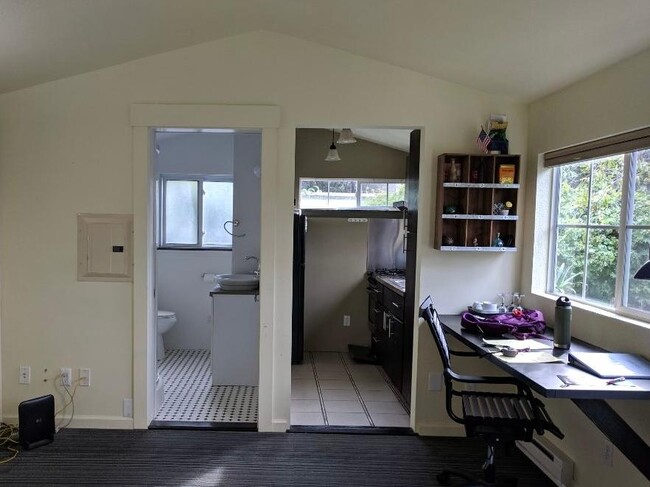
(497, 417)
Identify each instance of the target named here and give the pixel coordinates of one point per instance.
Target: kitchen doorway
(355, 231)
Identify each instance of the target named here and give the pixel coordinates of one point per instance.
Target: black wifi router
(36, 422)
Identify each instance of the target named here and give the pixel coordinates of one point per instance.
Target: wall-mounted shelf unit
(469, 186)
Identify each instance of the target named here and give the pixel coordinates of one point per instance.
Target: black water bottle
(562, 330)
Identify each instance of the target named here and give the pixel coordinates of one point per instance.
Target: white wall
(246, 201)
(612, 101)
(66, 147)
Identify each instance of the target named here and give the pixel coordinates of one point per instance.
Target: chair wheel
(443, 478)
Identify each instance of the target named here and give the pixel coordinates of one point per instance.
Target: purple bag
(530, 324)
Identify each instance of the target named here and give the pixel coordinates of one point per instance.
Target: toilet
(166, 319)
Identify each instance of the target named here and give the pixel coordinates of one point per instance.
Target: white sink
(238, 282)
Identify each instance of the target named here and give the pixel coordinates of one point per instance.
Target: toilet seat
(166, 314)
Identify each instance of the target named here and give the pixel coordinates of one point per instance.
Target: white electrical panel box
(104, 247)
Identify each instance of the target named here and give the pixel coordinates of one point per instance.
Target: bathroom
(207, 220)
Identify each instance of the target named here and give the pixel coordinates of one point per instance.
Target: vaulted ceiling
(519, 48)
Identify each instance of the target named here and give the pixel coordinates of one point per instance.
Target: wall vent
(550, 460)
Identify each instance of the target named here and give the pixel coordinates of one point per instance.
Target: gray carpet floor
(216, 458)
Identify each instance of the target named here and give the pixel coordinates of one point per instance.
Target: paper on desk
(519, 344)
(530, 358)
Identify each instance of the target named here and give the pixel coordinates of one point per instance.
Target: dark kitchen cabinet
(386, 322)
(393, 353)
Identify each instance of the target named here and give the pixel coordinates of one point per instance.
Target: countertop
(219, 291)
(397, 284)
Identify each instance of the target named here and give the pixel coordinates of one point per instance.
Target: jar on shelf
(454, 171)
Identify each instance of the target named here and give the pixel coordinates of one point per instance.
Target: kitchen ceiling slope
(523, 49)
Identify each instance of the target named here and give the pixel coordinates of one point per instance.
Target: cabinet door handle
(395, 304)
(390, 327)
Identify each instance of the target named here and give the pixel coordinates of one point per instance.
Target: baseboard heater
(551, 460)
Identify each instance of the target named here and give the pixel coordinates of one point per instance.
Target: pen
(615, 381)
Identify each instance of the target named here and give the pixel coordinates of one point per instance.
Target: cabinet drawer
(394, 303)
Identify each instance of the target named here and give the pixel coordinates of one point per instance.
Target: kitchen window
(601, 231)
(350, 193)
(193, 210)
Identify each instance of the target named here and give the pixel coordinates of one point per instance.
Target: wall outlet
(127, 407)
(84, 377)
(25, 374)
(66, 376)
(435, 381)
(608, 454)
(346, 320)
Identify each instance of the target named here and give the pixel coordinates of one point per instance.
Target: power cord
(8, 440)
(70, 402)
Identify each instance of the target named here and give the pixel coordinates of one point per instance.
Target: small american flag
(483, 140)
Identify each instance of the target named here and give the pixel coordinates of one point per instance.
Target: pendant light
(346, 137)
(332, 154)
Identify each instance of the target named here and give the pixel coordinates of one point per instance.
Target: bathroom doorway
(206, 225)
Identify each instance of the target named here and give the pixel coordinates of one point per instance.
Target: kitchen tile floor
(190, 395)
(329, 389)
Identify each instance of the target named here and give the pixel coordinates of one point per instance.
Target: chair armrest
(464, 354)
(482, 379)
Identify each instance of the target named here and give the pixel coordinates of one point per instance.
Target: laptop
(36, 422)
(611, 365)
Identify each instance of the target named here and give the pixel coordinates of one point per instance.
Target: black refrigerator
(298, 302)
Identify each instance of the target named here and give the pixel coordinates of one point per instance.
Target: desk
(542, 378)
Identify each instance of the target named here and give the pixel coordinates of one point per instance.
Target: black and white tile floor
(190, 395)
(328, 388)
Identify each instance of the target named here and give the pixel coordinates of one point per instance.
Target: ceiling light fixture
(346, 137)
(332, 154)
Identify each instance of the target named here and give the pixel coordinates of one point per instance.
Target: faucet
(257, 271)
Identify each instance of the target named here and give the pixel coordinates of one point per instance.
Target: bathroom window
(193, 210)
(350, 193)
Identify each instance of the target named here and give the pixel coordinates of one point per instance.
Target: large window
(601, 231)
(193, 211)
(349, 193)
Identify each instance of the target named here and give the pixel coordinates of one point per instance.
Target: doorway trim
(144, 118)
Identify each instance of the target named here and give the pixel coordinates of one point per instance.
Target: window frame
(625, 227)
(162, 206)
(359, 181)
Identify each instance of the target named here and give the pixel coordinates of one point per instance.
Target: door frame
(144, 118)
(417, 265)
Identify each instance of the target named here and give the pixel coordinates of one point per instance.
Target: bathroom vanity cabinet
(235, 337)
